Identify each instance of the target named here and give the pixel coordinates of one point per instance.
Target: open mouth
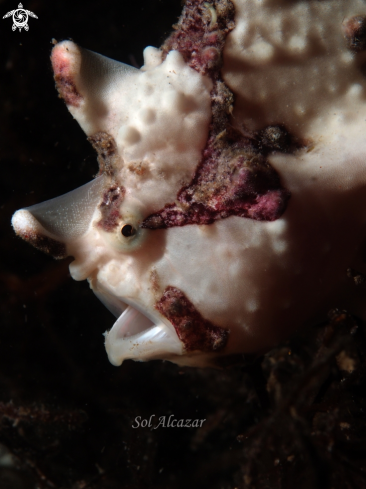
(48, 226)
(134, 335)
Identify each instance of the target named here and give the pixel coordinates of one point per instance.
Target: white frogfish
(230, 204)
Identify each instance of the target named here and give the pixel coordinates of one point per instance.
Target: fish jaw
(156, 320)
(143, 332)
(154, 341)
(138, 333)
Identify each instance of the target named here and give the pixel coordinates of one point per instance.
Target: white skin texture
(260, 280)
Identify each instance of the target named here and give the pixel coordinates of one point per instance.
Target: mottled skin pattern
(229, 182)
(199, 37)
(233, 177)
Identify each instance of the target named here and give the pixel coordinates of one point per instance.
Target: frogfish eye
(128, 230)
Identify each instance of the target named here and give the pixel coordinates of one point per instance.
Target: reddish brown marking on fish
(196, 333)
(154, 280)
(44, 243)
(198, 38)
(234, 177)
(67, 90)
(110, 207)
(64, 77)
(231, 181)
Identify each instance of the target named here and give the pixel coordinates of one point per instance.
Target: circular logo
(20, 19)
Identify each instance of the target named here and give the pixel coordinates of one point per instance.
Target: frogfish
(230, 204)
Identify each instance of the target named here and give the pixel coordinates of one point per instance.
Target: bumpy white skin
(287, 62)
(295, 67)
(158, 116)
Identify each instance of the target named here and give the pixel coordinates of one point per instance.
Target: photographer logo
(20, 18)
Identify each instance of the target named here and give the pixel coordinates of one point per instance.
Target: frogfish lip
(137, 333)
(135, 336)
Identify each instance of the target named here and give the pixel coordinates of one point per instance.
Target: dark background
(66, 414)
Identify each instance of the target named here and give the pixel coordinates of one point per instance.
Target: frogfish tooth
(230, 204)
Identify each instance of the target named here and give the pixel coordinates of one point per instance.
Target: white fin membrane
(68, 217)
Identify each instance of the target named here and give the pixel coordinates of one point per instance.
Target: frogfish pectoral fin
(51, 225)
(135, 336)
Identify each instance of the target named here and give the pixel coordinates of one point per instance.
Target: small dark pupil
(128, 230)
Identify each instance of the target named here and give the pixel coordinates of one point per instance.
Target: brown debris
(314, 421)
(345, 362)
(138, 168)
(105, 145)
(39, 415)
(277, 138)
(358, 277)
(354, 30)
